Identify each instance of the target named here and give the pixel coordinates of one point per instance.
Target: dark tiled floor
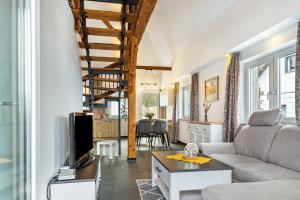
(119, 177)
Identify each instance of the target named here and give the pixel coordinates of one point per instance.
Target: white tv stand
(84, 186)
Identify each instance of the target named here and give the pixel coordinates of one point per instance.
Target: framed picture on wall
(211, 87)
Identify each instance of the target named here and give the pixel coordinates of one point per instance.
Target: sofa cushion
(217, 148)
(266, 190)
(234, 159)
(252, 172)
(255, 141)
(285, 150)
(265, 118)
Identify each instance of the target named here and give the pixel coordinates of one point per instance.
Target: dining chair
(144, 129)
(160, 132)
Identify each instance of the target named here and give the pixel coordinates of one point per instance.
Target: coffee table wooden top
(174, 166)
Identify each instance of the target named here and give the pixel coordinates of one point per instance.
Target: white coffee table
(174, 176)
(112, 146)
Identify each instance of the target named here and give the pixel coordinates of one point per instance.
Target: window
(186, 91)
(150, 105)
(290, 63)
(287, 67)
(259, 77)
(114, 109)
(270, 83)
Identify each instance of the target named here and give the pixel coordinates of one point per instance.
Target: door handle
(271, 93)
(159, 170)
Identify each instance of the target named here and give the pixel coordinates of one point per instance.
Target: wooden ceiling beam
(143, 14)
(103, 15)
(162, 68)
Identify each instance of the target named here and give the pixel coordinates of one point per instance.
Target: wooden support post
(131, 66)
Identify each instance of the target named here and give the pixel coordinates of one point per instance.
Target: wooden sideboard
(105, 128)
(200, 132)
(108, 128)
(85, 186)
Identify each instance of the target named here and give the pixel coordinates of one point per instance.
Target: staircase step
(103, 15)
(105, 88)
(105, 32)
(101, 46)
(101, 69)
(106, 79)
(129, 2)
(100, 59)
(107, 97)
(102, 79)
(104, 70)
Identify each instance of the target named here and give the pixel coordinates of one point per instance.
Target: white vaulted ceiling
(174, 24)
(186, 34)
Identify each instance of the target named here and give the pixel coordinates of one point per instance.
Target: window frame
(277, 55)
(274, 76)
(260, 61)
(158, 102)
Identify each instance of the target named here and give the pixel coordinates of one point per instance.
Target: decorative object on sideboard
(206, 107)
(211, 87)
(191, 150)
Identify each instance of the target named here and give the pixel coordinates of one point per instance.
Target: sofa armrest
(217, 148)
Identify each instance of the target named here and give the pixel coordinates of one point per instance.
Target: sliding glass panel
(259, 87)
(6, 100)
(287, 66)
(12, 100)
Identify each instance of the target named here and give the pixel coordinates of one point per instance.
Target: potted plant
(124, 118)
(149, 115)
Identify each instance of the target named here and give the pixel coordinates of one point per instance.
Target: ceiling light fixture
(152, 84)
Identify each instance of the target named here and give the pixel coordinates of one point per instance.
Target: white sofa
(265, 161)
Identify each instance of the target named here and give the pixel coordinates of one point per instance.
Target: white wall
(166, 79)
(274, 42)
(242, 21)
(60, 88)
(251, 27)
(215, 114)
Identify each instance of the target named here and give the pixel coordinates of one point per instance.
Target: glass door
(271, 84)
(286, 66)
(260, 85)
(13, 100)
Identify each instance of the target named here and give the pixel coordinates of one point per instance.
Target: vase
(205, 117)
(191, 150)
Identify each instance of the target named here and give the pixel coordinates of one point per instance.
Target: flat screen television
(81, 138)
